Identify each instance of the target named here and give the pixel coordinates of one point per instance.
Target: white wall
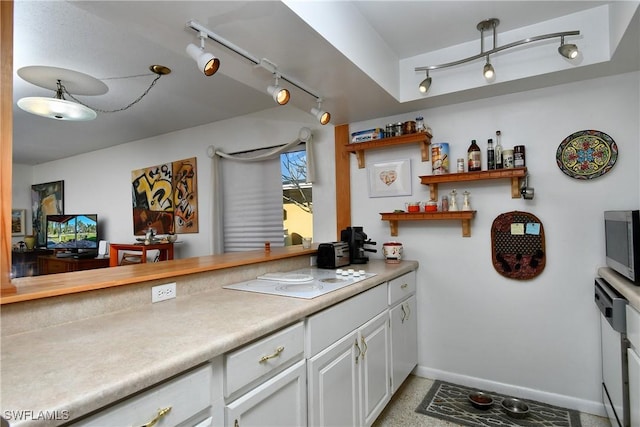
(100, 182)
(536, 337)
(475, 326)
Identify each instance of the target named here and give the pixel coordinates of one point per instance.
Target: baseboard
(581, 405)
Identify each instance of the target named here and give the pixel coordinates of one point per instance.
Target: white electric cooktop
(304, 283)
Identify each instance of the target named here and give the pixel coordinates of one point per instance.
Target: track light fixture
(207, 63)
(569, 51)
(488, 72)
(323, 116)
(425, 84)
(279, 94)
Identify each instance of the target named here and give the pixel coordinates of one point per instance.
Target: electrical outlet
(163, 292)
(313, 260)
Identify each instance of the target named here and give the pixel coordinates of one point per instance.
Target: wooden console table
(165, 249)
(51, 264)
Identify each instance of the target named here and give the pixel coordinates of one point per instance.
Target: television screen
(76, 233)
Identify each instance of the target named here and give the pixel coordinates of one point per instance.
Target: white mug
(392, 252)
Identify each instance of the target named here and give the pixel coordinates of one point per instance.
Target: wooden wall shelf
(464, 216)
(423, 138)
(514, 174)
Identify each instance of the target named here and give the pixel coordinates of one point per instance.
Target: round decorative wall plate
(587, 154)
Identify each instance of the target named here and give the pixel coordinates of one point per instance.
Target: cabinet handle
(404, 313)
(408, 310)
(236, 423)
(271, 356)
(161, 413)
(359, 351)
(364, 345)
(404, 286)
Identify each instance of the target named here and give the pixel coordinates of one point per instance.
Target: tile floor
(401, 410)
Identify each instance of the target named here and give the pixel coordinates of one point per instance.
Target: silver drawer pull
(404, 286)
(271, 356)
(161, 413)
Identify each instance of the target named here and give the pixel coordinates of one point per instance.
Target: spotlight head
(322, 116)
(569, 51)
(425, 85)
(280, 96)
(207, 63)
(488, 72)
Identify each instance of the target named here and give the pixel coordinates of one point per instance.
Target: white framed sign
(390, 179)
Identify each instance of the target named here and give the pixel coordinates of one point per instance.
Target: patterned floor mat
(450, 402)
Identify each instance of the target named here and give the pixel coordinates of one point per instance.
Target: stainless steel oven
(614, 344)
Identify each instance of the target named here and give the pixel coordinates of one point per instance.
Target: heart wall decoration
(390, 179)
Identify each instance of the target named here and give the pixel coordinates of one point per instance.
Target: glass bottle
(491, 160)
(498, 151)
(420, 124)
(474, 157)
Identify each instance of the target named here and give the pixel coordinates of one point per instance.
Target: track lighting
(569, 51)
(425, 84)
(207, 63)
(279, 94)
(488, 72)
(323, 116)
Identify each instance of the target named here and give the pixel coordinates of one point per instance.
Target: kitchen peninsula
(121, 344)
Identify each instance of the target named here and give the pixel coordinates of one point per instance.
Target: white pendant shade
(54, 108)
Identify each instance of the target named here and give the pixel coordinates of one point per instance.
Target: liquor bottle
(498, 151)
(491, 160)
(474, 157)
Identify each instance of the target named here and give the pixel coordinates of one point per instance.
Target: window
(296, 197)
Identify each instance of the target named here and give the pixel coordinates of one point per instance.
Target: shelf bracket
(515, 187)
(360, 157)
(425, 149)
(466, 228)
(393, 226)
(433, 191)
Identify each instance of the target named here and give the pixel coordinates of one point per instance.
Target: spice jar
(518, 156)
(420, 124)
(408, 127)
(507, 159)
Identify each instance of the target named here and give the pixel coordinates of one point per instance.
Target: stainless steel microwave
(622, 239)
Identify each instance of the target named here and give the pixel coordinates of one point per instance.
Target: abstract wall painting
(165, 198)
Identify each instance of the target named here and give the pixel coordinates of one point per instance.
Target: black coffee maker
(357, 239)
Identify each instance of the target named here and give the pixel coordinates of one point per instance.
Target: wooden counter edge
(32, 288)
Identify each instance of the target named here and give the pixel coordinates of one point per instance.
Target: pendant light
(56, 108)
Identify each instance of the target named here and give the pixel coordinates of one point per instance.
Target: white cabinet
(404, 341)
(349, 380)
(404, 327)
(185, 400)
(280, 401)
(265, 381)
(633, 353)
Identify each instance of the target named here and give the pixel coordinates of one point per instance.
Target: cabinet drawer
(263, 358)
(187, 395)
(401, 287)
(633, 327)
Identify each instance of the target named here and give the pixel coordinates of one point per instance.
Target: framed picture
(18, 222)
(46, 199)
(390, 179)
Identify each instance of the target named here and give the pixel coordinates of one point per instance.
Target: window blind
(252, 204)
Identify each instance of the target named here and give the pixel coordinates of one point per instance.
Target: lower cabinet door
(634, 387)
(280, 401)
(374, 367)
(404, 341)
(334, 383)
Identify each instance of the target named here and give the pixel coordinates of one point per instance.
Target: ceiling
(117, 41)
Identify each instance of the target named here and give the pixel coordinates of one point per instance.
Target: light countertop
(84, 365)
(628, 290)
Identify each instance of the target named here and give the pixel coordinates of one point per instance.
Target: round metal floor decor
(587, 154)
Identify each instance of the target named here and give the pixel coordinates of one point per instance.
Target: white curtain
(246, 205)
